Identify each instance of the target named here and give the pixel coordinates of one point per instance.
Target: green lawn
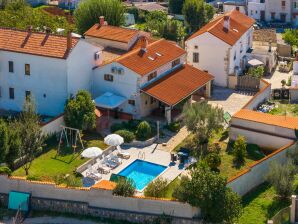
(48, 166)
(171, 187)
(261, 205)
(283, 108)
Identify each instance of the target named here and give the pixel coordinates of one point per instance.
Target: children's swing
(71, 136)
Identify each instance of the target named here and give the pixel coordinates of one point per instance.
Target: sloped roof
(276, 120)
(176, 86)
(158, 53)
(239, 24)
(48, 45)
(114, 33)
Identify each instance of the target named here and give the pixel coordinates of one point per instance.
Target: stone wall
(53, 126)
(93, 201)
(255, 175)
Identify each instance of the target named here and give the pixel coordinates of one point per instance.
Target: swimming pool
(142, 172)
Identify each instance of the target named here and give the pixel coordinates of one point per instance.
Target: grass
(284, 108)
(49, 165)
(261, 205)
(171, 187)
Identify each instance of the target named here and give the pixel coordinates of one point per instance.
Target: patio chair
(95, 176)
(102, 168)
(110, 163)
(116, 159)
(123, 155)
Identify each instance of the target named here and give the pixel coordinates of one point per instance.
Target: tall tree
(207, 190)
(197, 13)
(14, 143)
(89, 11)
(30, 134)
(201, 119)
(3, 140)
(176, 6)
(79, 111)
(291, 37)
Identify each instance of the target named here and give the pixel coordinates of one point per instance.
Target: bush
(289, 82)
(213, 160)
(254, 151)
(5, 170)
(72, 181)
(157, 188)
(143, 130)
(239, 150)
(283, 82)
(116, 127)
(126, 135)
(174, 126)
(125, 187)
(33, 177)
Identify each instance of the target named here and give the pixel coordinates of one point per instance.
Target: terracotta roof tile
(37, 43)
(114, 33)
(105, 184)
(239, 24)
(276, 120)
(141, 62)
(179, 84)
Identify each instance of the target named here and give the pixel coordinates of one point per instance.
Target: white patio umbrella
(91, 152)
(113, 140)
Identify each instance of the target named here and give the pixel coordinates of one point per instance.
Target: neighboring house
(284, 11)
(37, 2)
(229, 6)
(49, 67)
(220, 46)
(68, 4)
(150, 76)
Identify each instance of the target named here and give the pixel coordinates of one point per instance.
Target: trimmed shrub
(125, 187)
(143, 131)
(213, 160)
(5, 170)
(239, 150)
(174, 126)
(126, 135)
(116, 127)
(157, 188)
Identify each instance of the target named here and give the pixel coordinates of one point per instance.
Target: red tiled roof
(113, 33)
(239, 24)
(276, 120)
(41, 44)
(178, 85)
(141, 62)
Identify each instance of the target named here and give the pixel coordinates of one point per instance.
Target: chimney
(48, 30)
(144, 43)
(226, 23)
(29, 29)
(69, 41)
(101, 21)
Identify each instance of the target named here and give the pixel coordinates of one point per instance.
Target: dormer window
(152, 76)
(176, 62)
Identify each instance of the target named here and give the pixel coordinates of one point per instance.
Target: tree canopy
(18, 14)
(176, 6)
(291, 37)
(79, 111)
(208, 190)
(89, 11)
(197, 13)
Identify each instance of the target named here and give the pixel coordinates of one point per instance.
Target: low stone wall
(53, 126)
(136, 143)
(97, 201)
(255, 175)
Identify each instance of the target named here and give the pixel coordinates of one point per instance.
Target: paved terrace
(149, 154)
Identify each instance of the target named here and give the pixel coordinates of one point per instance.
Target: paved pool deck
(150, 154)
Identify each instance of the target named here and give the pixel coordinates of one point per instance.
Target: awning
(109, 100)
(178, 85)
(255, 62)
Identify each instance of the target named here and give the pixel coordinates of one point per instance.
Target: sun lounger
(109, 163)
(116, 159)
(123, 155)
(95, 176)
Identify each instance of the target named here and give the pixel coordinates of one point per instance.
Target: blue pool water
(142, 172)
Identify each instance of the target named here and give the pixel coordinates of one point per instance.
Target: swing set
(71, 137)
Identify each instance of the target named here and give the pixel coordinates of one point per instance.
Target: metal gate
(248, 83)
(281, 94)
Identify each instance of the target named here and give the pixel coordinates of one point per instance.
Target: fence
(256, 173)
(282, 217)
(100, 202)
(248, 83)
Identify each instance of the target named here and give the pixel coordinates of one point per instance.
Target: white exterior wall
(229, 8)
(295, 67)
(80, 63)
(48, 76)
(275, 6)
(220, 62)
(254, 9)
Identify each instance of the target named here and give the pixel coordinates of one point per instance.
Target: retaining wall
(48, 196)
(255, 175)
(53, 126)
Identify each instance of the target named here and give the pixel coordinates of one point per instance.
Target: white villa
(219, 47)
(48, 67)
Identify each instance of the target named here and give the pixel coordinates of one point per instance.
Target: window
(176, 62)
(237, 8)
(283, 3)
(27, 93)
(196, 47)
(152, 75)
(251, 12)
(132, 102)
(109, 77)
(11, 93)
(195, 57)
(27, 69)
(152, 100)
(120, 71)
(262, 1)
(10, 66)
(114, 70)
(96, 55)
(235, 56)
(272, 15)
